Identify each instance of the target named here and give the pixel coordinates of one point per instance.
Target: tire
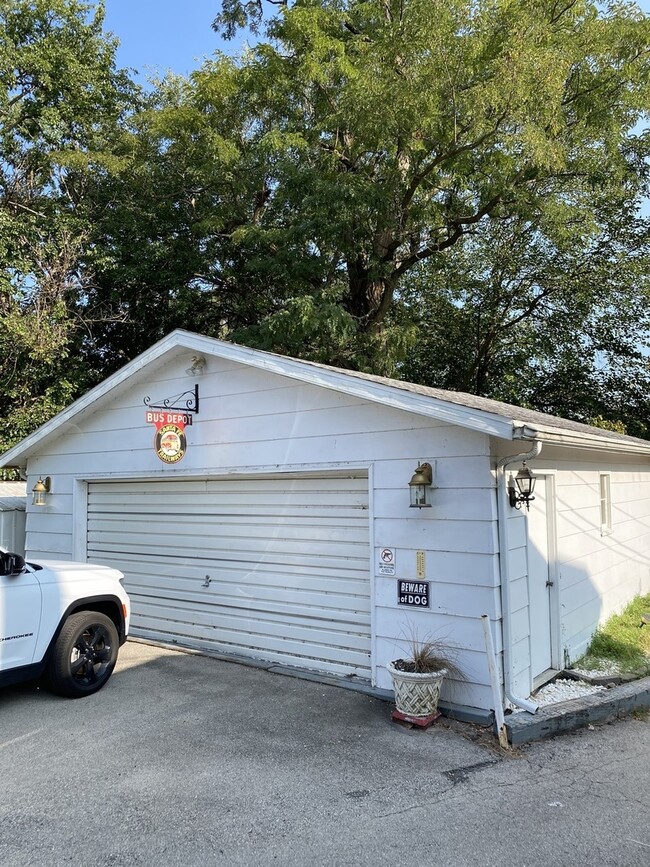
(84, 655)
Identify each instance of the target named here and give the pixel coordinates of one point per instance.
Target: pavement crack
(419, 806)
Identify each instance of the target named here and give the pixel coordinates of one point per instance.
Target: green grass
(622, 640)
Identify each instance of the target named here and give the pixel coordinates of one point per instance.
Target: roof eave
(388, 395)
(578, 439)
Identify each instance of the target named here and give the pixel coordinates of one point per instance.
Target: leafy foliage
(539, 316)
(60, 101)
(442, 190)
(393, 129)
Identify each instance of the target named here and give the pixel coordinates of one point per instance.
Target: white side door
(539, 580)
(20, 615)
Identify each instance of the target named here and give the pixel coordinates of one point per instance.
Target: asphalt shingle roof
(495, 407)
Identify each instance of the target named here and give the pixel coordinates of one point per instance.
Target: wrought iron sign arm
(187, 401)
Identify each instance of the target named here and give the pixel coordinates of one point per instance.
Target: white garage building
(259, 506)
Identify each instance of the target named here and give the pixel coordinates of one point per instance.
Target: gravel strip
(604, 669)
(563, 690)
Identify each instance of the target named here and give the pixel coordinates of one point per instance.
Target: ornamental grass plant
(427, 655)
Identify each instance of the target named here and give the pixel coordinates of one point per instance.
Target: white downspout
(503, 505)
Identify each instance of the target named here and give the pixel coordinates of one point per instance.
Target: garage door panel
(200, 532)
(179, 566)
(299, 574)
(198, 504)
(289, 603)
(221, 638)
(342, 663)
(288, 561)
(257, 551)
(303, 519)
(261, 624)
(276, 487)
(349, 598)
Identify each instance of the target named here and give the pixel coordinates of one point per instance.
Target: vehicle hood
(64, 570)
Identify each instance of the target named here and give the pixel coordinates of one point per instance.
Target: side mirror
(11, 564)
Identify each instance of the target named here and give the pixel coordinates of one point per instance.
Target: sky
(161, 35)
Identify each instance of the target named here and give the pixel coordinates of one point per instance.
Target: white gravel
(563, 690)
(604, 669)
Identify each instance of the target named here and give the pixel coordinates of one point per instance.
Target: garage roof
(13, 496)
(492, 417)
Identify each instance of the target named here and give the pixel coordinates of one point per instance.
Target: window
(605, 504)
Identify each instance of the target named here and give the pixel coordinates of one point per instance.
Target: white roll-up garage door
(273, 568)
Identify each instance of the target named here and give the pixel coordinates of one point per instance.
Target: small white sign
(386, 561)
(387, 556)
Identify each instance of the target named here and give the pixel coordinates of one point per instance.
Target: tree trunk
(369, 297)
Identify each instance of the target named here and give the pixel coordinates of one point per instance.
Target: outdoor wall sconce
(523, 493)
(40, 491)
(197, 365)
(420, 486)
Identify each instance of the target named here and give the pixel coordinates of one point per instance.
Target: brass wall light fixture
(197, 365)
(525, 485)
(41, 489)
(420, 486)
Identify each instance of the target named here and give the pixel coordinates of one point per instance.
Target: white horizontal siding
(256, 423)
(598, 574)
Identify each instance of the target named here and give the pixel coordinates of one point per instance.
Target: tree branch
(458, 230)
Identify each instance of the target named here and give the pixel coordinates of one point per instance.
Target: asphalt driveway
(187, 760)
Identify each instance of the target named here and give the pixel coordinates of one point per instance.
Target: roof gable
(491, 417)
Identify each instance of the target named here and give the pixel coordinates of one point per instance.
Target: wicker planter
(416, 694)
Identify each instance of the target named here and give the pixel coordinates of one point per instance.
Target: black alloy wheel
(84, 655)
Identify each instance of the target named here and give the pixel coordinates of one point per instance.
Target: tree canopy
(391, 135)
(447, 190)
(61, 101)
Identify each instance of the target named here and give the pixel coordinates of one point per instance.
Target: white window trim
(605, 492)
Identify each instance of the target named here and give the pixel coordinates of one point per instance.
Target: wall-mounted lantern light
(525, 485)
(420, 486)
(40, 491)
(196, 366)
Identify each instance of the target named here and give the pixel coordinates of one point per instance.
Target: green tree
(537, 316)
(391, 130)
(61, 100)
(290, 199)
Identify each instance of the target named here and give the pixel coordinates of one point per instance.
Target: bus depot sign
(169, 442)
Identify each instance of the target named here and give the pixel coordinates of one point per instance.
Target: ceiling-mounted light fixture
(197, 365)
(525, 485)
(40, 491)
(420, 485)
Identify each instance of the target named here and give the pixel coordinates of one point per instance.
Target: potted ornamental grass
(418, 676)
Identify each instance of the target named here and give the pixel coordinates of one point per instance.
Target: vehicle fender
(105, 603)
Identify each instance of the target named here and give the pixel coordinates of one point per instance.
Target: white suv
(65, 621)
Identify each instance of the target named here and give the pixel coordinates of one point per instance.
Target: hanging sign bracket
(186, 402)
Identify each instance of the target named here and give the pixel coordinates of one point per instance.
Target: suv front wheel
(84, 655)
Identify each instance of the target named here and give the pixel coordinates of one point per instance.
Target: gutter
(502, 513)
(578, 439)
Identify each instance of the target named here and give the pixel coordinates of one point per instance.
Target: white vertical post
(495, 682)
